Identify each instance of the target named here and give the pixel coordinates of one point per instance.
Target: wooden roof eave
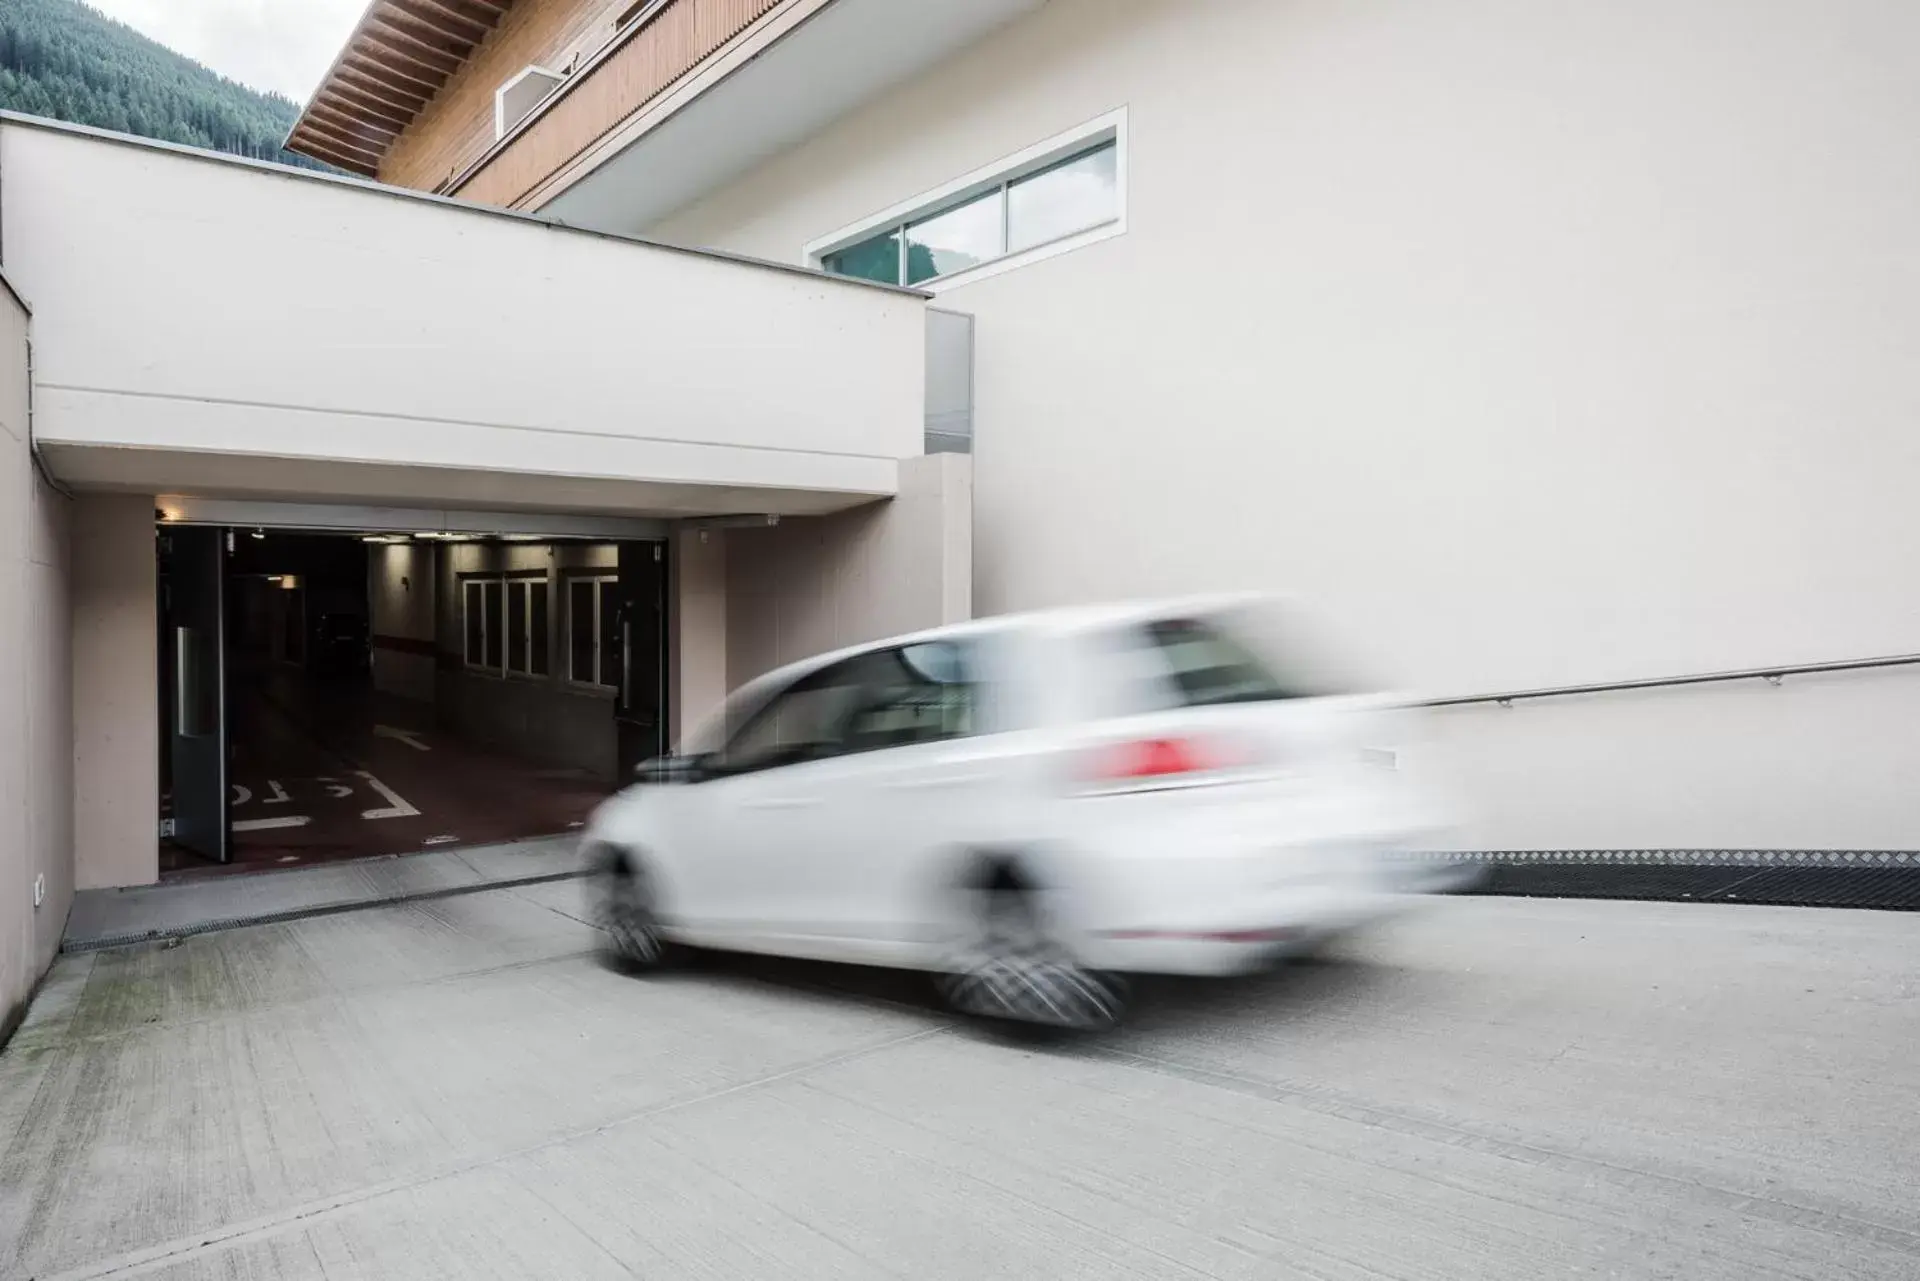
(399, 56)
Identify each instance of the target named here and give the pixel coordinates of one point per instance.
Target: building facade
(565, 528)
(1547, 345)
(1548, 348)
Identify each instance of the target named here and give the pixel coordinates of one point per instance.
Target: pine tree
(62, 59)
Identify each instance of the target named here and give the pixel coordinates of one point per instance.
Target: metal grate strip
(1683, 857)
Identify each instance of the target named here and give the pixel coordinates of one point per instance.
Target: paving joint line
(1336, 1103)
(169, 1253)
(76, 947)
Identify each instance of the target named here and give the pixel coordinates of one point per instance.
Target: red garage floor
(325, 771)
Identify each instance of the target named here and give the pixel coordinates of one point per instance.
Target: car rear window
(1203, 662)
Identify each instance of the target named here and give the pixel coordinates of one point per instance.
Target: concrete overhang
(805, 65)
(204, 325)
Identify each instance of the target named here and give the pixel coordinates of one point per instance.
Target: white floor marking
(262, 824)
(407, 736)
(335, 788)
(395, 806)
(279, 793)
(440, 840)
(241, 795)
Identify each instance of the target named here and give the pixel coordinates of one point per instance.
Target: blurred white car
(1031, 807)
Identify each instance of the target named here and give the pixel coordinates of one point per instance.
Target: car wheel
(1012, 972)
(625, 913)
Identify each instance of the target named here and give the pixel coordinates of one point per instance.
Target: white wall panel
(36, 719)
(1540, 343)
(192, 304)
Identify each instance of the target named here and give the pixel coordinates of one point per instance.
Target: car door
(919, 788)
(762, 824)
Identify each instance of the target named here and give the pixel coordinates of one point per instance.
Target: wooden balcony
(640, 64)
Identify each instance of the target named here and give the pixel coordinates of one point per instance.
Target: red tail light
(1153, 758)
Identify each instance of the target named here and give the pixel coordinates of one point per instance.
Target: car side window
(1199, 662)
(805, 722)
(924, 693)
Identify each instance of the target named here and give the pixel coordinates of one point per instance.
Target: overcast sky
(282, 45)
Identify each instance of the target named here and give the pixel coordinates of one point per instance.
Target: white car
(1030, 807)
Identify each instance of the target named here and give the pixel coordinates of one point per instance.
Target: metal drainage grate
(1887, 888)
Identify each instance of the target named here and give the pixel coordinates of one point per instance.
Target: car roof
(1059, 620)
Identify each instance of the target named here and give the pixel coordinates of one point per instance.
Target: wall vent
(515, 100)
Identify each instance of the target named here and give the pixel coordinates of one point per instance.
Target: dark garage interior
(376, 693)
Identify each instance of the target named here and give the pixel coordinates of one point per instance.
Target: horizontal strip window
(1025, 209)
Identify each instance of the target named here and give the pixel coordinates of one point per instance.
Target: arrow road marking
(262, 824)
(407, 736)
(395, 806)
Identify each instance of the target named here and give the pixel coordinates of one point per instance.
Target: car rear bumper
(1241, 940)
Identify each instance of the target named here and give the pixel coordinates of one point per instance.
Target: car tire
(626, 913)
(1013, 974)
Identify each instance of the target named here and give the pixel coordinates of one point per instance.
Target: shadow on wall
(806, 587)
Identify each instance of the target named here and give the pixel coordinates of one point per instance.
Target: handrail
(1773, 674)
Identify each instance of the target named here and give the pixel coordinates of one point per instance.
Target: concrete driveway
(455, 1088)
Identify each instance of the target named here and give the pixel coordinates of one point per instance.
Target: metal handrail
(1772, 674)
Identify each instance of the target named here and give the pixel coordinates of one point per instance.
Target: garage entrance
(330, 693)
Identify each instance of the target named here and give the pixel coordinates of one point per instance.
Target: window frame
(468, 588)
(527, 583)
(506, 582)
(1109, 129)
(602, 580)
(501, 125)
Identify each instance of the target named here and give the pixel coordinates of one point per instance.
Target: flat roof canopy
(225, 328)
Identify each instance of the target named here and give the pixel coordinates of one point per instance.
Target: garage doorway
(332, 694)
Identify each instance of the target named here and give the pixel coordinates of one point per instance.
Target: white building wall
(207, 326)
(807, 587)
(696, 629)
(1541, 343)
(36, 725)
(116, 706)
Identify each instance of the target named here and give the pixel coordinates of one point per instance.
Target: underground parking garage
(260, 685)
(345, 693)
(383, 382)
